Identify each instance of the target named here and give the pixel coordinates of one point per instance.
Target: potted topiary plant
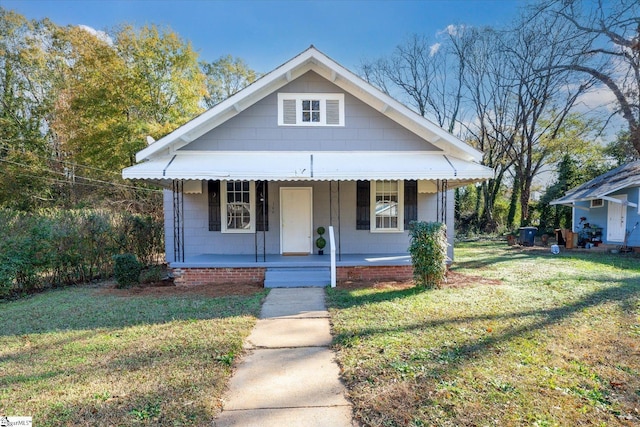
(320, 241)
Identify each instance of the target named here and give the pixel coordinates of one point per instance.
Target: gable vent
(333, 112)
(289, 112)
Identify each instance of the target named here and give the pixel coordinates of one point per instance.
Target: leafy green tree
(621, 150)
(26, 100)
(144, 82)
(225, 77)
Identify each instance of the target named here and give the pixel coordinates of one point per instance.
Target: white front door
(617, 219)
(296, 207)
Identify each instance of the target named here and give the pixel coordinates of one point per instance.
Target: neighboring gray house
(248, 182)
(609, 205)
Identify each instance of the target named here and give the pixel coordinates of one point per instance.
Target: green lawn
(556, 343)
(77, 357)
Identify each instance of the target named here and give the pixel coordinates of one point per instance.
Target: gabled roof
(625, 176)
(310, 60)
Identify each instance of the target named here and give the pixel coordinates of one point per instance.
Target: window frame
(224, 209)
(599, 203)
(400, 207)
(322, 97)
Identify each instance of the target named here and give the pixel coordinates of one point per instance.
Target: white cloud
(101, 35)
(434, 48)
(452, 30)
(598, 98)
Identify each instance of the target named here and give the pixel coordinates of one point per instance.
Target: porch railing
(332, 246)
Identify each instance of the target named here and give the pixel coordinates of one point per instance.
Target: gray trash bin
(527, 235)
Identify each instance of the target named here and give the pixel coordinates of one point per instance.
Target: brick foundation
(201, 276)
(219, 275)
(374, 273)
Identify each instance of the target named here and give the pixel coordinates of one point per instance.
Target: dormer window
(310, 109)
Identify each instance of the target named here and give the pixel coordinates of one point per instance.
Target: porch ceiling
(309, 166)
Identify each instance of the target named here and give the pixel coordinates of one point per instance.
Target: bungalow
(249, 182)
(607, 208)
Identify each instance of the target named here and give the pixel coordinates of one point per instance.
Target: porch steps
(297, 277)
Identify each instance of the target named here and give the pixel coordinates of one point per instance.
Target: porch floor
(346, 260)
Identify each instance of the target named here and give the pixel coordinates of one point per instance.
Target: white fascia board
(620, 202)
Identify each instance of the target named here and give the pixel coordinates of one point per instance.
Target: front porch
(310, 270)
(273, 260)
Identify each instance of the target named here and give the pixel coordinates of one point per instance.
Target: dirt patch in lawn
(167, 288)
(454, 280)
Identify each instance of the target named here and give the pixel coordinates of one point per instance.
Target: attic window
(310, 109)
(597, 203)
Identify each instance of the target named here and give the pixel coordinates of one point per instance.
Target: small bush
(428, 249)
(152, 274)
(127, 270)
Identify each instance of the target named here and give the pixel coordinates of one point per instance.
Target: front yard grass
(80, 357)
(556, 342)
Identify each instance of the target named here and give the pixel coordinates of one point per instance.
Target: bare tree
(610, 39)
(421, 70)
(545, 93)
(487, 91)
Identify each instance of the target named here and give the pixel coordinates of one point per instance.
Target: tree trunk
(525, 192)
(513, 204)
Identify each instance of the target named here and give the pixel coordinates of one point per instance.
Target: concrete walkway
(288, 376)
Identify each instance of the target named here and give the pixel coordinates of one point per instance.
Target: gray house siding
(599, 216)
(199, 240)
(256, 128)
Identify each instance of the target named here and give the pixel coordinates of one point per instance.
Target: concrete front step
(297, 277)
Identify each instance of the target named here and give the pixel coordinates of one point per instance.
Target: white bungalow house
(309, 145)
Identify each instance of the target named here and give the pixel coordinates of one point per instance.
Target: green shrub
(152, 274)
(428, 249)
(51, 248)
(126, 270)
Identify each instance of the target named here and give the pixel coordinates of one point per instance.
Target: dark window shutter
(262, 216)
(363, 201)
(215, 217)
(410, 202)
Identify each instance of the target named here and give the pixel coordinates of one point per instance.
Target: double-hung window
(387, 205)
(310, 109)
(238, 199)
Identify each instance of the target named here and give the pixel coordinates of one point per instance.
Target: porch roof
(309, 166)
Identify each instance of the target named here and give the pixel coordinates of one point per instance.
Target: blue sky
(268, 33)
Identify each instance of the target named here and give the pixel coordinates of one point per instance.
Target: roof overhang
(308, 166)
(572, 202)
(591, 194)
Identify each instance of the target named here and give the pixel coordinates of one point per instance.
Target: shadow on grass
(496, 254)
(626, 295)
(80, 309)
